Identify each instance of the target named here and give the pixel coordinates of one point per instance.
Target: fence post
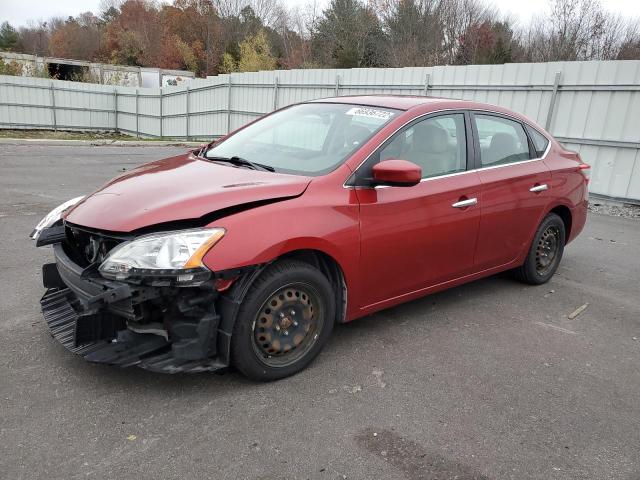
(53, 107)
(275, 93)
(427, 81)
(115, 109)
(337, 87)
(554, 94)
(186, 127)
(161, 113)
(137, 116)
(229, 104)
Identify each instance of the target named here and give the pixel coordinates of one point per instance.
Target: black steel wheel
(287, 324)
(545, 252)
(284, 321)
(547, 249)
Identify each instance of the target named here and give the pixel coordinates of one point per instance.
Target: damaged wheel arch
(229, 302)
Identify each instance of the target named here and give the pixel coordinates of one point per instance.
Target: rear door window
(501, 140)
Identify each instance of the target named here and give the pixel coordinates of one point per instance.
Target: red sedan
(248, 250)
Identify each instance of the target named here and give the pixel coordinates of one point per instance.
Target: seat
(355, 135)
(503, 148)
(350, 138)
(431, 150)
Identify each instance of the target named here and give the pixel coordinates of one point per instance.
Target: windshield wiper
(243, 162)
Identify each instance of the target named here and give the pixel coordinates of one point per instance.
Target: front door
(420, 236)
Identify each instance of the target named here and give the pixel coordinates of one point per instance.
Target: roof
(400, 102)
(407, 102)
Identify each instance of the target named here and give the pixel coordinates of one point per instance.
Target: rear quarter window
(540, 142)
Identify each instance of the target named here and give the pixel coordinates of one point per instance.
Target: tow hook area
(194, 327)
(166, 329)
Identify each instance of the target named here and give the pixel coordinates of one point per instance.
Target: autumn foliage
(218, 36)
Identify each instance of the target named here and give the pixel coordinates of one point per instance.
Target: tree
(255, 54)
(414, 31)
(9, 39)
(34, 38)
(577, 30)
(460, 18)
(290, 30)
(483, 43)
(197, 24)
(10, 68)
(267, 11)
(348, 35)
(212, 36)
(135, 35)
(228, 63)
(630, 46)
(77, 38)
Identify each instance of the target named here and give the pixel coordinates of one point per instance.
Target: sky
(19, 12)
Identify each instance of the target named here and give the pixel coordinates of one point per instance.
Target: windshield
(307, 139)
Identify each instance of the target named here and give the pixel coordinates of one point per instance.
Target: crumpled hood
(178, 188)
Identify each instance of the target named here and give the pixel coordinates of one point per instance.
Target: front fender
(326, 221)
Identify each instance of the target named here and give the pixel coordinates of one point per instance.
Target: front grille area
(86, 247)
(151, 352)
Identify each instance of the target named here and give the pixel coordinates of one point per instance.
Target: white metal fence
(592, 107)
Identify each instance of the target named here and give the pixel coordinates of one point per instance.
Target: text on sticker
(370, 112)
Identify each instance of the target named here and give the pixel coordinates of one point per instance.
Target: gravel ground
(490, 380)
(626, 211)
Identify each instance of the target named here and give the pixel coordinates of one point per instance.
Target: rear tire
(545, 252)
(284, 321)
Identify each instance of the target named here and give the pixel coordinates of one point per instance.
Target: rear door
(419, 236)
(514, 190)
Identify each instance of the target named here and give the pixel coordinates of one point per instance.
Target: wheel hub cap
(286, 322)
(547, 249)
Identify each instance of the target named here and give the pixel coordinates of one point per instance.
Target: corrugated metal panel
(596, 106)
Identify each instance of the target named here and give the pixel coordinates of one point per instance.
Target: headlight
(53, 216)
(173, 256)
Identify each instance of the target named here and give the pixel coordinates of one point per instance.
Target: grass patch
(69, 135)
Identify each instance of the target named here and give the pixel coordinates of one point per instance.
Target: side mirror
(398, 173)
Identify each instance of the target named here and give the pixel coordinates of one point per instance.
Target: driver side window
(437, 144)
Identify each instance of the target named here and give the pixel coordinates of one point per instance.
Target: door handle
(539, 188)
(465, 203)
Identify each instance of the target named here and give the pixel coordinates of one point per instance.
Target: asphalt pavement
(490, 380)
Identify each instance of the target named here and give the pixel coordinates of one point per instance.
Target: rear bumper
(579, 219)
(164, 329)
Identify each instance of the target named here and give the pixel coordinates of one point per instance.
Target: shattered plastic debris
(378, 374)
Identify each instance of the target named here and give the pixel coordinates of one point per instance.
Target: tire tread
(526, 273)
(241, 356)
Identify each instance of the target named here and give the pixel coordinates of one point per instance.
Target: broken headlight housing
(167, 258)
(53, 216)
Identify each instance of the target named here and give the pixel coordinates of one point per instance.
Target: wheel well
(565, 214)
(331, 269)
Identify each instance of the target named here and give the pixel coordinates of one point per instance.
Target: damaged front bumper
(164, 329)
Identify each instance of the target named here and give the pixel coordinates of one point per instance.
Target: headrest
(430, 138)
(503, 142)
(354, 135)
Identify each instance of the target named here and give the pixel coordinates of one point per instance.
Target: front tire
(545, 252)
(284, 321)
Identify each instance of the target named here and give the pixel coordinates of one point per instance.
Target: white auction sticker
(370, 112)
